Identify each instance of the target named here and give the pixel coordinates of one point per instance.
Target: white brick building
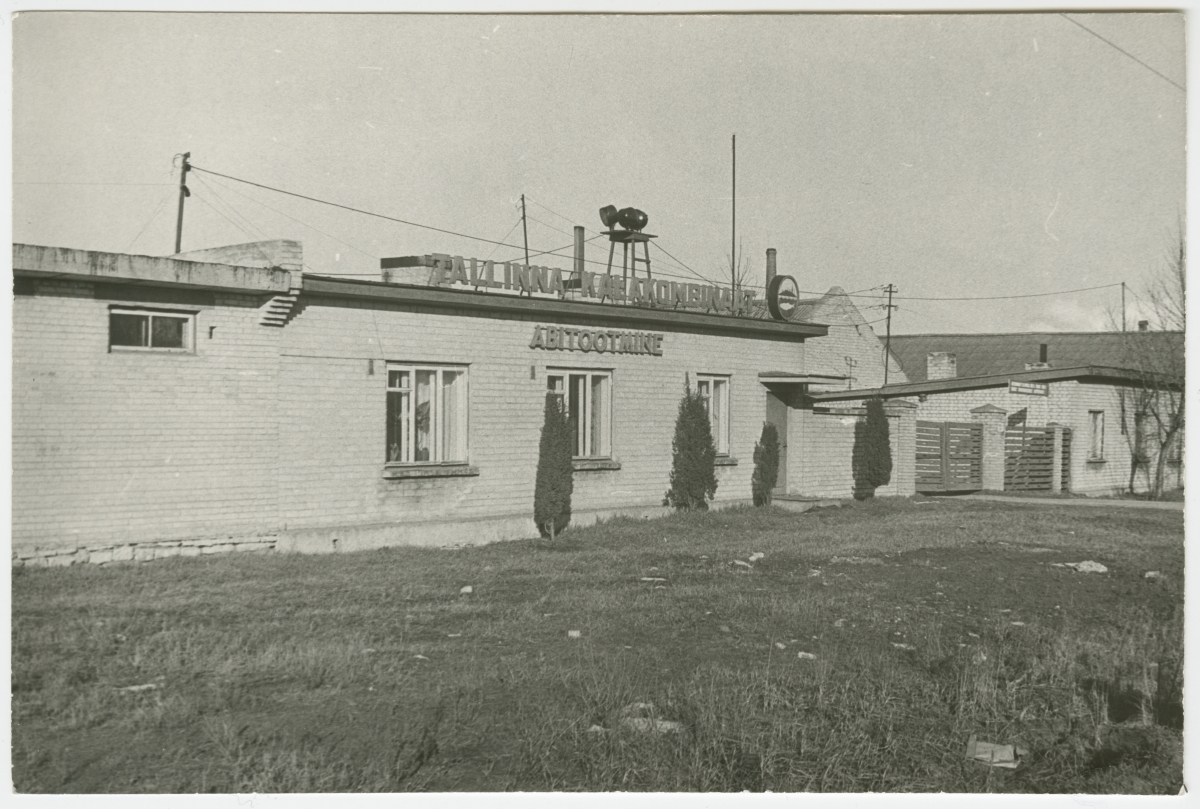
(225, 400)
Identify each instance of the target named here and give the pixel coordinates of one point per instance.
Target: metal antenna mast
(733, 233)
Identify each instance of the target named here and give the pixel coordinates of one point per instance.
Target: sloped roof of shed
(986, 354)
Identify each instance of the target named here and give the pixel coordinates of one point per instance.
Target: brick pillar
(994, 421)
(902, 417)
(1056, 476)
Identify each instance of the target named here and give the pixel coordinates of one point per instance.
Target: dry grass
(370, 672)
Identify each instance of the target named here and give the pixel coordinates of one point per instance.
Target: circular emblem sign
(782, 297)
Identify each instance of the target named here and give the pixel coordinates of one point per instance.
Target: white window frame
(437, 450)
(711, 386)
(583, 433)
(1095, 435)
(189, 330)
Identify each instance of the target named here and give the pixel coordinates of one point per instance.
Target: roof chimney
(1043, 351)
(941, 365)
(770, 265)
(1143, 325)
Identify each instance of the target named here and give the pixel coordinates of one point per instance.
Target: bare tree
(1152, 408)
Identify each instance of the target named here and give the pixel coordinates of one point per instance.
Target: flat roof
(990, 381)
(485, 304)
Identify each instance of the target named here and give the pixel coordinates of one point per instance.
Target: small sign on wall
(1029, 388)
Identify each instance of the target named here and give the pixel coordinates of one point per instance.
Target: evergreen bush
(693, 462)
(871, 459)
(766, 465)
(552, 491)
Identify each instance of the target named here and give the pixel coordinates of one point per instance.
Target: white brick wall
(333, 475)
(112, 445)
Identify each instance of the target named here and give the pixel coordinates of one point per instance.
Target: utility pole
(733, 233)
(887, 346)
(1122, 306)
(183, 193)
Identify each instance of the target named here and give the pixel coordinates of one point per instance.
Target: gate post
(904, 446)
(1056, 464)
(994, 421)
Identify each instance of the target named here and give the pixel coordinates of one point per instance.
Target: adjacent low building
(1057, 411)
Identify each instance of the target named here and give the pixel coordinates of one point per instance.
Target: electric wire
(153, 216)
(233, 211)
(305, 224)
(395, 219)
(555, 252)
(1122, 50)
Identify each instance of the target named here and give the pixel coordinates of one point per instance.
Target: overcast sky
(950, 155)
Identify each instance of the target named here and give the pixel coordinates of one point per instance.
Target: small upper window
(150, 330)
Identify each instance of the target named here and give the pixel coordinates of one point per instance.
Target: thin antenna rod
(525, 230)
(733, 233)
(1122, 306)
(183, 192)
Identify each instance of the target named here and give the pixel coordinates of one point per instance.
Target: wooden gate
(949, 456)
(1029, 459)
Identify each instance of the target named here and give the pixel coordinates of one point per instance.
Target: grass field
(926, 622)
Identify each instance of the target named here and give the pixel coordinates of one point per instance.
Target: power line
(301, 222)
(153, 216)
(1012, 297)
(555, 252)
(357, 210)
(1122, 50)
(395, 219)
(79, 183)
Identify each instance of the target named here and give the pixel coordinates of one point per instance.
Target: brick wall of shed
(114, 447)
(823, 459)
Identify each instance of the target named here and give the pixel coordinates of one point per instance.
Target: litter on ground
(1084, 567)
(806, 656)
(754, 557)
(996, 755)
(574, 633)
(466, 591)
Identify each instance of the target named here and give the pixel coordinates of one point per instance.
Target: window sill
(594, 464)
(147, 350)
(433, 470)
(725, 460)
(1097, 460)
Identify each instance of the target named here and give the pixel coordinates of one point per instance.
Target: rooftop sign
(455, 271)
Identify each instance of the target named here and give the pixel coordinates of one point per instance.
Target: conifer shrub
(552, 491)
(766, 465)
(871, 459)
(693, 461)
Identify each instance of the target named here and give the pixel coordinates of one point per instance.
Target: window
(1096, 437)
(426, 414)
(714, 390)
(150, 330)
(587, 398)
